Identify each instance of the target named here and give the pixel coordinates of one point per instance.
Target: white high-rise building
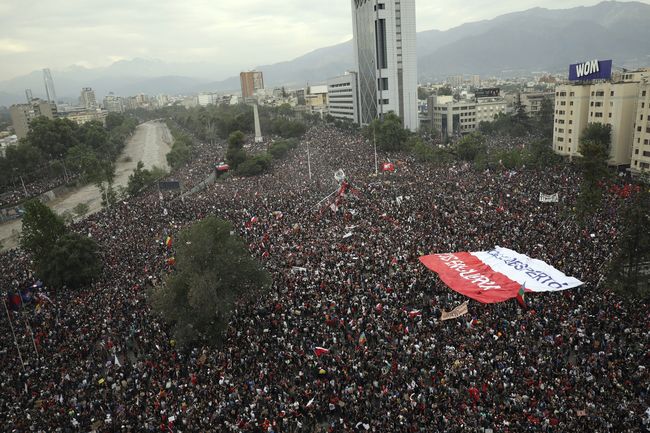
(88, 99)
(386, 59)
(342, 102)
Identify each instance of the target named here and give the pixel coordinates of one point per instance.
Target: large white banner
(534, 274)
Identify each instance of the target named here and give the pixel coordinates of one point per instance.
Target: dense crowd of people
(345, 278)
(19, 192)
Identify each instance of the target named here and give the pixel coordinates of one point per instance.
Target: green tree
(594, 149)
(41, 229)
(213, 271)
(545, 118)
(142, 178)
(72, 261)
(280, 149)
(179, 155)
(254, 166)
(542, 155)
(389, 133)
(81, 209)
(445, 91)
(423, 93)
(236, 140)
(53, 137)
(630, 270)
(471, 147)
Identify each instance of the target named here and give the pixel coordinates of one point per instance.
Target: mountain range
(510, 45)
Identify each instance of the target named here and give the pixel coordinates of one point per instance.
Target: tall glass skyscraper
(386, 59)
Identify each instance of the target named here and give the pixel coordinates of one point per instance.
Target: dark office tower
(49, 86)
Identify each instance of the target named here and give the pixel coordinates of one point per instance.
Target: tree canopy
(594, 148)
(213, 271)
(60, 258)
(389, 133)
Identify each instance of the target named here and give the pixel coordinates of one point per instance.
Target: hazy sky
(237, 34)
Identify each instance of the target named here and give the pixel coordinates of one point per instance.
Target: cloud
(237, 34)
(11, 46)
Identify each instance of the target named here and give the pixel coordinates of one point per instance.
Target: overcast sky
(238, 34)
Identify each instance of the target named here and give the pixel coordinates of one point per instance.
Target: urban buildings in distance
(619, 100)
(453, 117)
(385, 59)
(251, 82)
(23, 114)
(342, 97)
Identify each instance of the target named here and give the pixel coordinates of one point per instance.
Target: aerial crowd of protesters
(346, 278)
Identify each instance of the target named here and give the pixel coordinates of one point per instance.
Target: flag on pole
(117, 361)
(521, 296)
(362, 339)
(388, 166)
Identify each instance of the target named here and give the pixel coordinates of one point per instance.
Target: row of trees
(520, 124)
(245, 164)
(215, 122)
(52, 146)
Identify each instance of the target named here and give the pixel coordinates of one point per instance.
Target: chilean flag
(498, 275)
(388, 166)
(320, 351)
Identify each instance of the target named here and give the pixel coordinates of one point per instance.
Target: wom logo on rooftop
(592, 70)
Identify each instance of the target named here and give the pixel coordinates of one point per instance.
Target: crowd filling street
(346, 278)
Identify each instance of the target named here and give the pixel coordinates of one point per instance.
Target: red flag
(415, 313)
(388, 166)
(320, 351)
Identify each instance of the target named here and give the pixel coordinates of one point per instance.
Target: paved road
(150, 144)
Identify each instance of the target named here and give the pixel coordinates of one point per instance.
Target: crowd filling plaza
(350, 336)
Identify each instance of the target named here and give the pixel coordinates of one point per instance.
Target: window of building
(645, 165)
(569, 140)
(610, 115)
(645, 141)
(646, 154)
(598, 115)
(572, 94)
(571, 103)
(611, 93)
(382, 84)
(560, 139)
(384, 102)
(636, 151)
(380, 41)
(643, 93)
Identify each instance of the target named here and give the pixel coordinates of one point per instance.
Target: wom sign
(592, 70)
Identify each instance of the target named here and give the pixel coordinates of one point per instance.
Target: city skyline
(54, 35)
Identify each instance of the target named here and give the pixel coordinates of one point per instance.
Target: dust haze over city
(351, 216)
